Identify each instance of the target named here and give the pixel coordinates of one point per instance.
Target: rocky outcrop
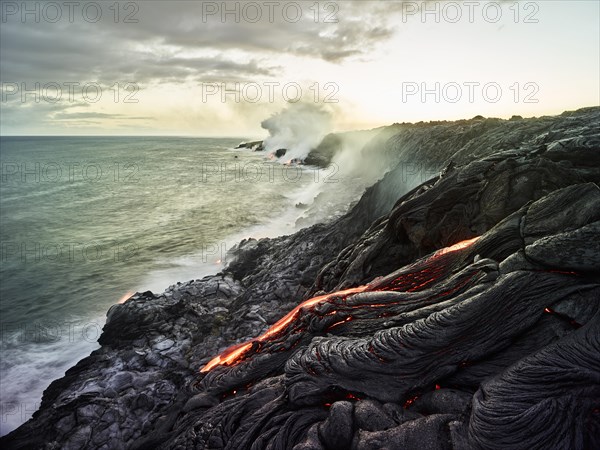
(257, 146)
(125, 389)
(325, 151)
(412, 341)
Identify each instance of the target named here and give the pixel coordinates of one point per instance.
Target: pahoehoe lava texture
(466, 314)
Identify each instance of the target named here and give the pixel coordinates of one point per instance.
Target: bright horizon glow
(382, 50)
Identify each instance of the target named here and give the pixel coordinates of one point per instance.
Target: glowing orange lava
(228, 357)
(453, 248)
(236, 353)
(125, 297)
(281, 323)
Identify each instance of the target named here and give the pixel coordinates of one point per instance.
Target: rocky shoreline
(492, 344)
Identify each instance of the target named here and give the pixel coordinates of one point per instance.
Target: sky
(201, 68)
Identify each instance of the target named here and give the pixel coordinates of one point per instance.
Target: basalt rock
(280, 152)
(257, 146)
(461, 314)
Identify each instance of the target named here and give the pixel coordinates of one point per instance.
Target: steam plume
(299, 128)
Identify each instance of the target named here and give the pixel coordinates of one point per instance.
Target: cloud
(171, 44)
(157, 48)
(43, 55)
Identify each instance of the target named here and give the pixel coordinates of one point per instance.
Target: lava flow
(235, 352)
(453, 248)
(413, 281)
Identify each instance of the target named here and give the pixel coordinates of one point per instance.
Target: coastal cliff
(461, 313)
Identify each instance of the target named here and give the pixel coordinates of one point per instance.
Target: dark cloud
(154, 48)
(74, 55)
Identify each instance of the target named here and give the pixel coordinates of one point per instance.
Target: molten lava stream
(453, 248)
(237, 353)
(228, 357)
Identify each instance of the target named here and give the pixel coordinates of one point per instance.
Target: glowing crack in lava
(236, 353)
(453, 248)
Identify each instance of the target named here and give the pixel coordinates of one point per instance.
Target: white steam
(299, 128)
(354, 165)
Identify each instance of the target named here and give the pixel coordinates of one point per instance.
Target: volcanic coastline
(463, 313)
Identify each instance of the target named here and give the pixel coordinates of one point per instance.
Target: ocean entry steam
(297, 129)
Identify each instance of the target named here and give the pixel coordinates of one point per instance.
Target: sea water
(86, 221)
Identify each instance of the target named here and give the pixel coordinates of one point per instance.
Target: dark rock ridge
(281, 152)
(257, 146)
(333, 143)
(490, 344)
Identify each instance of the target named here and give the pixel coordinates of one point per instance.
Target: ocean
(87, 221)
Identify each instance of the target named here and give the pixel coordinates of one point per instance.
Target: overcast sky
(157, 67)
